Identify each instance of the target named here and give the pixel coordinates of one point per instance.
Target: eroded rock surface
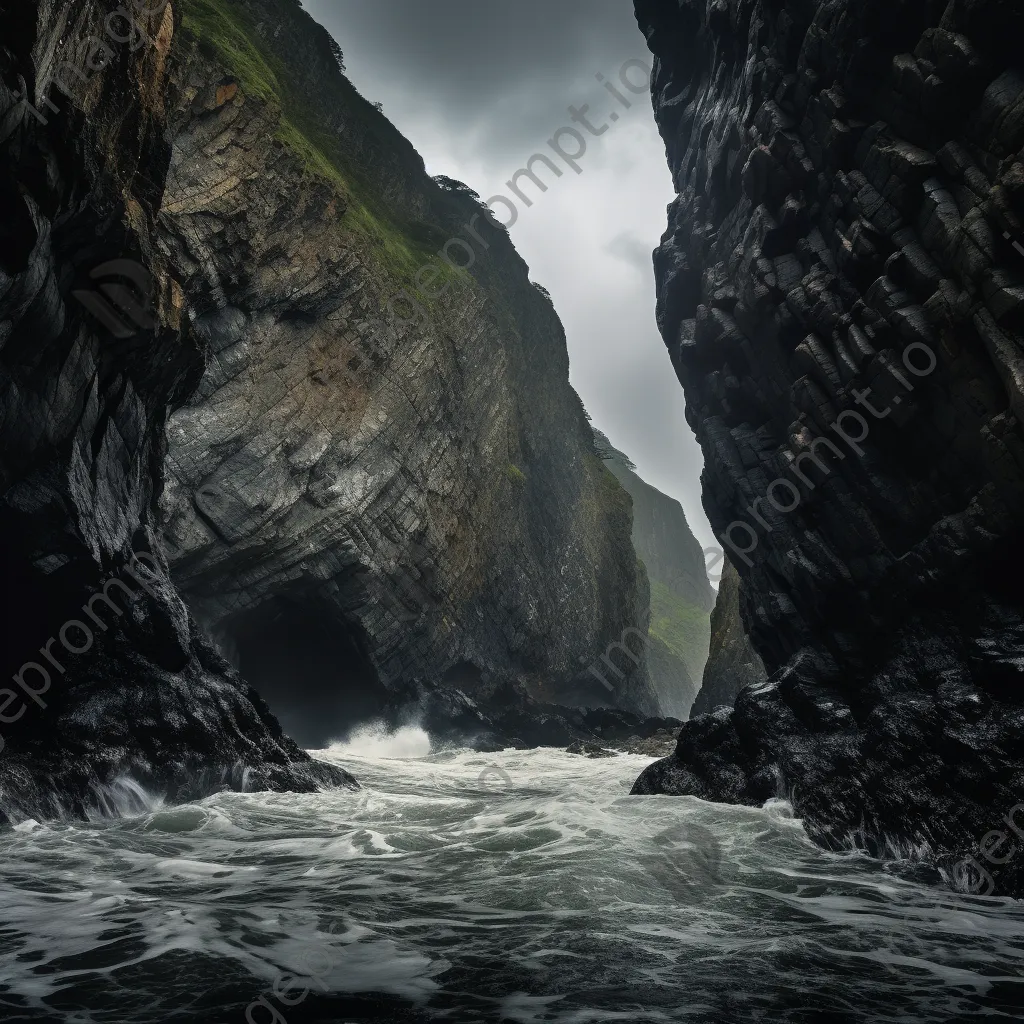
(850, 194)
(359, 497)
(122, 686)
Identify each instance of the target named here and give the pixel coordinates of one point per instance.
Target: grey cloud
(634, 251)
(504, 73)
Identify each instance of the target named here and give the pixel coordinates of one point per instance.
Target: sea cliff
(840, 291)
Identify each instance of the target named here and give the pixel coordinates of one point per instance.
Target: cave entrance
(312, 669)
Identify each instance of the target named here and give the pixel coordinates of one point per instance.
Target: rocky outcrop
(512, 718)
(732, 662)
(111, 678)
(840, 290)
(681, 595)
(384, 474)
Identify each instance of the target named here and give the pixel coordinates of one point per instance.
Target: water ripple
(536, 891)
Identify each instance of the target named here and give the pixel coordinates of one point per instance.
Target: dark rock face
(681, 595)
(732, 661)
(845, 240)
(82, 417)
(356, 500)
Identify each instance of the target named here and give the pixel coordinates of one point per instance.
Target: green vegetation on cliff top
(224, 33)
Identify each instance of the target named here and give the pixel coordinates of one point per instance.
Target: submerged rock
(510, 717)
(660, 743)
(841, 291)
(588, 749)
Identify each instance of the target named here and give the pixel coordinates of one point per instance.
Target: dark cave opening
(312, 669)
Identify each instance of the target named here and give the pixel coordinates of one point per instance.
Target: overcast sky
(478, 87)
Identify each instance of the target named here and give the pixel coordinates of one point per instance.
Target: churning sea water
(522, 886)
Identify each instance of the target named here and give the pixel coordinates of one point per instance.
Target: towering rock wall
(417, 501)
(385, 474)
(840, 290)
(681, 595)
(105, 673)
(732, 662)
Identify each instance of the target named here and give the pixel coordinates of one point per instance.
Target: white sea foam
(124, 797)
(374, 740)
(554, 896)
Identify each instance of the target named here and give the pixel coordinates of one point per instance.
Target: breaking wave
(465, 887)
(375, 740)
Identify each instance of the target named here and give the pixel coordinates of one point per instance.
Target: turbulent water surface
(524, 886)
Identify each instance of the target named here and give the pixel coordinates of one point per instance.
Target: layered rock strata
(840, 290)
(114, 687)
(384, 474)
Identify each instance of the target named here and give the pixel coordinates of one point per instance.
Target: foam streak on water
(440, 893)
